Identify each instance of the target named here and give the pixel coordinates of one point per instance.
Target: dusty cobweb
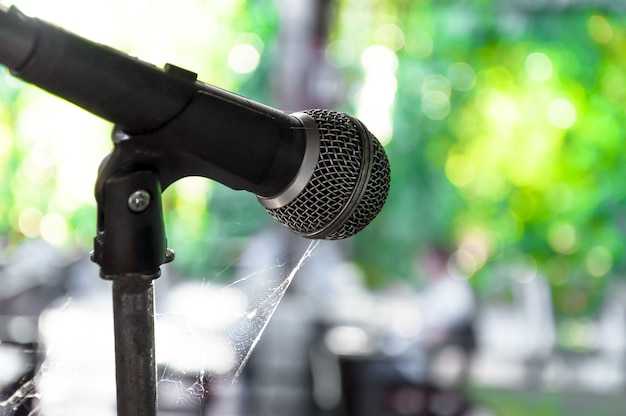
(208, 333)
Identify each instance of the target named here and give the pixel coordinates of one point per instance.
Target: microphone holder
(130, 247)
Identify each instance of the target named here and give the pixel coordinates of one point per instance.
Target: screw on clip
(139, 201)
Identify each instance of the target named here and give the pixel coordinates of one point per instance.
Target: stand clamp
(131, 234)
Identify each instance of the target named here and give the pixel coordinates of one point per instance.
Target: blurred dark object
(374, 387)
(32, 277)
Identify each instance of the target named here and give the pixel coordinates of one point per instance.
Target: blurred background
(490, 284)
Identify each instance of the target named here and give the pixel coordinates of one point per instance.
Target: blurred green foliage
(503, 124)
(507, 147)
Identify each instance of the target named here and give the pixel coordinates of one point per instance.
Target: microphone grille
(349, 184)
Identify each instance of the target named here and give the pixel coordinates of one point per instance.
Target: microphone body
(241, 137)
(319, 172)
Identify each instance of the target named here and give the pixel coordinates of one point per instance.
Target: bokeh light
(563, 238)
(53, 228)
(561, 113)
(538, 66)
(245, 56)
(460, 170)
(600, 29)
(599, 261)
(462, 76)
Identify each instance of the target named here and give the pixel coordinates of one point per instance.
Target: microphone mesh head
(349, 184)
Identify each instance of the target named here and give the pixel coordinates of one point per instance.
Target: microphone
(321, 173)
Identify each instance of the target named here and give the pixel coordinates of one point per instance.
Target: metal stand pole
(130, 248)
(133, 312)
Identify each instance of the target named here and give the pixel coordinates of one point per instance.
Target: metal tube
(133, 311)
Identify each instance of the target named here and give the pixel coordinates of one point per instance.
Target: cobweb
(23, 393)
(208, 334)
(205, 335)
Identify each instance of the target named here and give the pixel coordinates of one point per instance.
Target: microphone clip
(131, 241)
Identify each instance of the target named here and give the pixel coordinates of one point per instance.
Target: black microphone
(319, 172)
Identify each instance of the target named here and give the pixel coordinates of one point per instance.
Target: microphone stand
(129, 248)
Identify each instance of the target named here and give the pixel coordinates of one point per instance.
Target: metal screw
(169, 255)
(139, 201)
